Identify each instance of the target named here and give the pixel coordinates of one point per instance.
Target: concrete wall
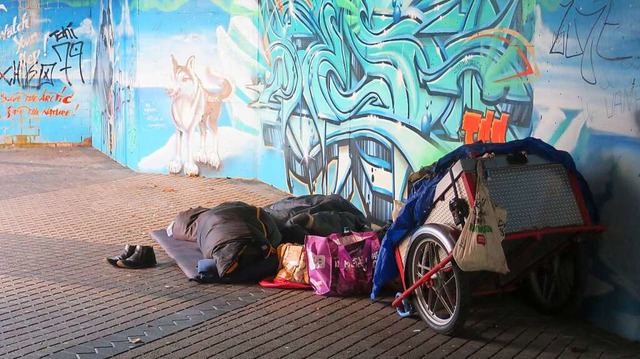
(327, 96)
(45, 72)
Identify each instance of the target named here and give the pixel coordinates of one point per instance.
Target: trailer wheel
(557, 285)
(443, 301)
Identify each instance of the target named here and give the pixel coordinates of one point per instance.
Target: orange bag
(293, 263)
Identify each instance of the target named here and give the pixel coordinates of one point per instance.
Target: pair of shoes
(134, 257)
(128, 251)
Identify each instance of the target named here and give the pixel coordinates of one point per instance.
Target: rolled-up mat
(185, 253)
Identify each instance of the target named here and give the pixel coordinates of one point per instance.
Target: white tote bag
(479, 246)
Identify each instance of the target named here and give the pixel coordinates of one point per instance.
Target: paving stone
(90, 356)
(84, 349)
(63, 355)
(109, 352)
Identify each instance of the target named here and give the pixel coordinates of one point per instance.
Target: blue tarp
(416, 209)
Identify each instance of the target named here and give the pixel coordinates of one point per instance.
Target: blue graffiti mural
(357, 81)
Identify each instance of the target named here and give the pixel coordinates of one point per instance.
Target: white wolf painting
(193, 105)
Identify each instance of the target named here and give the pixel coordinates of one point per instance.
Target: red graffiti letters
(43, 103)
(485, 129)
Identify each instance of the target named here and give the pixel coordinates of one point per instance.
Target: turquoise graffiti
(362, 93)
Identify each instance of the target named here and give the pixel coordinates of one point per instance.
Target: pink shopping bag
(342, 264)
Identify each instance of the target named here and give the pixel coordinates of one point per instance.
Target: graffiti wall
(46, 56)
(362, 93)
(587, 103)
(350, 97)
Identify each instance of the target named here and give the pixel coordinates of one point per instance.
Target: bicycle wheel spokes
(439, 301)
(438, 296)
(431, 300)
(445, 296)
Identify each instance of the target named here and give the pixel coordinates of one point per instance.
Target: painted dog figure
(192, 106)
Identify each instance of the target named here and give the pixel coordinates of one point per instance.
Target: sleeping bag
(183, 227)
(235, 235)
(315, 214)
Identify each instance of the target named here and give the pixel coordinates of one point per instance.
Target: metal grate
(403, 248)
(535, 197)
(440, 212)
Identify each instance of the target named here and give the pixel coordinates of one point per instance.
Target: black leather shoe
(143, 257)
(128, 251)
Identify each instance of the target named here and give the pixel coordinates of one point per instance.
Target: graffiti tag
(21, 103)
(27, 72)
(68, 51)
(580, 34)
(28, 76)
(485, 129)
(623, 101)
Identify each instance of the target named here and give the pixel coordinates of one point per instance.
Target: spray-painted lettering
(22, 103)
(485, 129)
(68, 52)
(15, 27)
(29, 59)
(27, 72)
(580, 34)
(23, 41)
(64, 33)
(623, 101)
(27, 75)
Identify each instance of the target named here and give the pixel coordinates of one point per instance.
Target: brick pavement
(62, 210)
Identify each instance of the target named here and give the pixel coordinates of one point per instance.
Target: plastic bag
(342, 264)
